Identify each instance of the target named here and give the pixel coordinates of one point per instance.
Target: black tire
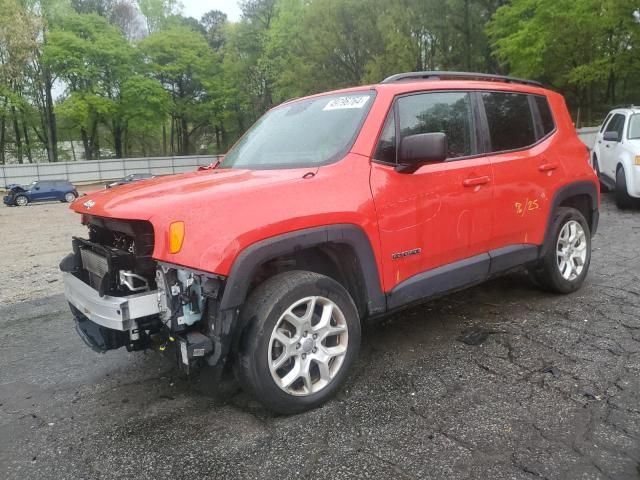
(263, 311)
(623, 199)
(596, 167)
(21, 198)
(547, 274)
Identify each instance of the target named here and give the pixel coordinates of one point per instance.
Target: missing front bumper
(115, 313)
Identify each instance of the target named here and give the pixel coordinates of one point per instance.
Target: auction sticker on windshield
(351, 101)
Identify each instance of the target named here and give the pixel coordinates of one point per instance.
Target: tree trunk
(185, 136)
(117, 139)
(173, 150)
(85, 144)
(2, 139)
(164, 138)
(16, 131)
(27, 144)
(50, 117)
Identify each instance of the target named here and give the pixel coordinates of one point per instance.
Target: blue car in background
(40, 191)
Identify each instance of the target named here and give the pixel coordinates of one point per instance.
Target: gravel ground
(552, 392)
(34, 240)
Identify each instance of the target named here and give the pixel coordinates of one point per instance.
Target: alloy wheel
(308, 346)
(571, 250)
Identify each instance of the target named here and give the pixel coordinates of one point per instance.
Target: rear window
(510, 120)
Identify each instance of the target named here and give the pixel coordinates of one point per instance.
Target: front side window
(304, 133)
(386, 149)
(604, 124)
(510, 121)
(446, 112)
(616, 125)
(634, 127)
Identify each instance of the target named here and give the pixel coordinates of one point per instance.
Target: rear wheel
(566, 261)
(623, 199)
(302, 339)
(21, 200)
(69, 197)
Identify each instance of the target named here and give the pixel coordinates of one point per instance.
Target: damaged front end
(121, 297)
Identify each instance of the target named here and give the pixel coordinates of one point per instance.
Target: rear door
(441, 213)
(520, 132)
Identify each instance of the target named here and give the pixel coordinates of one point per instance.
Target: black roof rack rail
(437, 75)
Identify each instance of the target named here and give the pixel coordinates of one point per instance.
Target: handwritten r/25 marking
(527, 206)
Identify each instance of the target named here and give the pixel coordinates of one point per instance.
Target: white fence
(588, 135)
(95, 171)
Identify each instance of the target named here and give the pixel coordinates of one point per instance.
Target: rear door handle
(474, 182)
(548, 167)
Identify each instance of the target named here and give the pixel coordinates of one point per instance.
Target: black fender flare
(247, 262)
(571, 190)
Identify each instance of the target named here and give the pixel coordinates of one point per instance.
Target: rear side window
(510, 121)
(546, 118)
(634, 127)
(446, 112)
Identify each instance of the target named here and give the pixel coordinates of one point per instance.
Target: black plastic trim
(440, 280)
(512, 256)
(255, 255)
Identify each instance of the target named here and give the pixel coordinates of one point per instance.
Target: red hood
(147, 199)
(226, 210)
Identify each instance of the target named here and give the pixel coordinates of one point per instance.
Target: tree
(585, 48)
(214, 23)
(93, 60)
(182, 61)
(18, 43)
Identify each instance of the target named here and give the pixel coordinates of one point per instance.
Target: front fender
(248, 261)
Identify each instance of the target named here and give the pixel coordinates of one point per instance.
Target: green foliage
(585, 48)
(136, 77)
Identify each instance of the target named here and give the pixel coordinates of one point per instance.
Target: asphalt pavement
(545, 386)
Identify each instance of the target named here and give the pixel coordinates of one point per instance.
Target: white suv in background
(616, 154)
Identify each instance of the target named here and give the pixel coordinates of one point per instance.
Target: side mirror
(611, 137)
(416, 150)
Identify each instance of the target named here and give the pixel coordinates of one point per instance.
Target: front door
(441, 213)
(610, 150)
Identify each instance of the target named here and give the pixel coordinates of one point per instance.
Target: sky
(195, 8)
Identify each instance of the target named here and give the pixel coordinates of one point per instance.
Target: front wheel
(69, 197)
(302, 338)
(21, 200)
(568, 256)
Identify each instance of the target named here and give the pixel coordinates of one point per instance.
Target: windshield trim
(629, 137)
(332, 159)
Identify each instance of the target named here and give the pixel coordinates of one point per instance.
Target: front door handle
(548, 167)
(474, 182)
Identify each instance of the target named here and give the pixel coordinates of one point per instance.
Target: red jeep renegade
(332, 209)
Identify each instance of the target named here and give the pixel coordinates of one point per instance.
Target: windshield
(304, 133)
(634, 127)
